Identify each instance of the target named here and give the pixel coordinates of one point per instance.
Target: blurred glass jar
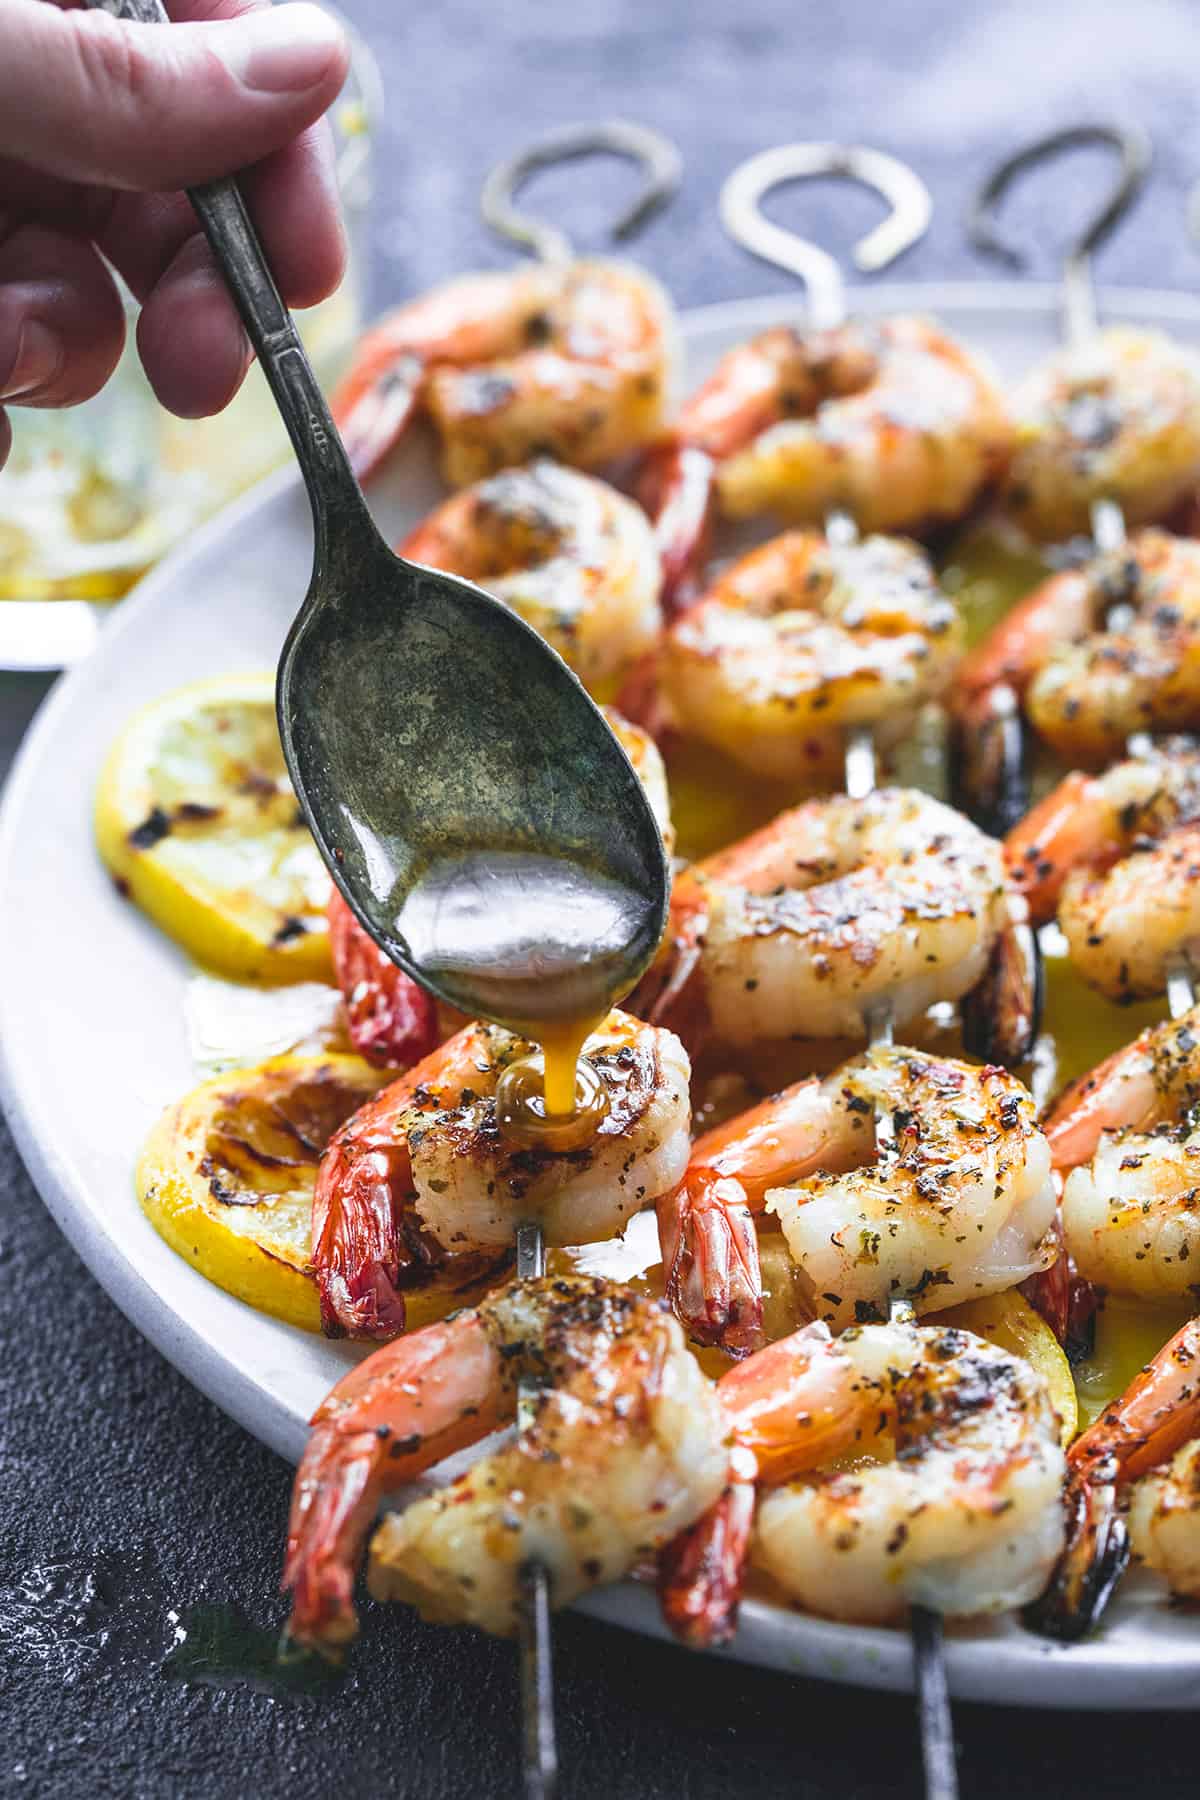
(92, 496)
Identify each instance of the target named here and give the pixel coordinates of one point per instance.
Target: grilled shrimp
(951, 1199)
(628, 1444)
(424, 1172)
(1119, 855)
(392, 1021)
(1116, 418)
(1139, 1432)
(892, 421)
(963, 1516)
(573, 360)
(802, 640)
(1153, 1081)
(1126, 1139)
(568, 553)
(805, 926)
(1164, 1521)
(1087, 687)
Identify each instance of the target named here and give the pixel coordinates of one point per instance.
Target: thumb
(98, 100)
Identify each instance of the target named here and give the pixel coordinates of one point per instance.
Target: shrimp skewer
(1115, 855)
(568, 553)
(623, 1445)
(572, 359)
(966, 1520)
(891, 424)
(424, 1175)
(1108, 433)
(805, 926)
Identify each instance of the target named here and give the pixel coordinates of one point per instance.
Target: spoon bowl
(469, 799)
(472, 803)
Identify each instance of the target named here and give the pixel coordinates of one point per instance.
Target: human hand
(101, 124)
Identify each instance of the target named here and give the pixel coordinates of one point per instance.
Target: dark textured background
(127, 1499)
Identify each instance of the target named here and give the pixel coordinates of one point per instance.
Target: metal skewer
(539, 1748)
(656, 155)
(741, 198)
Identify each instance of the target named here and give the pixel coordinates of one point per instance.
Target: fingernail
(38, 360)
(281, 50)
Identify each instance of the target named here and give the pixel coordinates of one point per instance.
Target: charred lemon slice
(1008, 1320)
(227, 1175)
(197, 821)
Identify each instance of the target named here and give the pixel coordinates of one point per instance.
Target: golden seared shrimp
(951, 1200)
(392, 1021)
(425, 1173)
(1116, 418)
(1087, 688)
(892, 421)
(805, 926)
(1119, 855)
(1139, 1432)
(628, 1444)
(1125, 1137)
(803, 640)
(568, 553)
(1090, 822)
(963, 1514)
(1153, 1081)
(571, 360)
(1164, 1521)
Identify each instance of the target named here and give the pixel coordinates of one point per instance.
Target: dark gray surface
(125, 1497)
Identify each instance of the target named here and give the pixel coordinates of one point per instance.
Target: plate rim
(986, 1668)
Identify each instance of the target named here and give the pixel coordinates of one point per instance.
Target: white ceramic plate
(93, 1043)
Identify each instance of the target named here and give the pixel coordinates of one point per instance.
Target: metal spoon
(470, 801)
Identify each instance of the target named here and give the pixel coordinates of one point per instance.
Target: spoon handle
(337, 500)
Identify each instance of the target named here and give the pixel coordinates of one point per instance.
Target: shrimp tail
(710, 1262)
(989, 764)
(702, 1572)
(392, 1021)
(374, 403)
(399, 1412)
(333, 1507)
(1002, 1015)
(357, 1246)
(641, 700)
(677, 489)
(1095, 1558)
(1066, 1301)
(671, 993)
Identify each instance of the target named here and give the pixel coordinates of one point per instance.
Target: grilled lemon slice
(227, 1174)
(198, 823)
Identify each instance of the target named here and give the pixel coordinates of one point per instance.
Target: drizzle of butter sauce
(543, 945)
(554, 1099)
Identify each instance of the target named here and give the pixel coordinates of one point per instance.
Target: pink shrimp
(891, 421)
(627, 1446)
(422, 1182)
(966, 1519)
(1157, 1413)
(570, 360)
(865, 1220)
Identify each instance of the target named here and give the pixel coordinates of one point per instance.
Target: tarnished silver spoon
(473, 806)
